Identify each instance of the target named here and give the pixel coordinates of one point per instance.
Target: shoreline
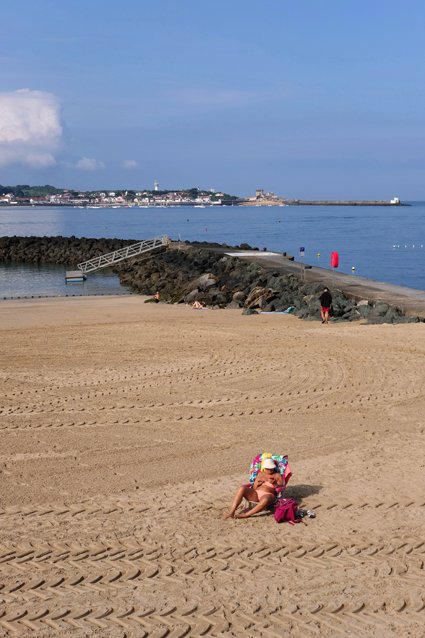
(278, 201)
(410, 300)
(224, 276)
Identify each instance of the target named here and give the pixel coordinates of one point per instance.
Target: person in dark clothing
(325, 304)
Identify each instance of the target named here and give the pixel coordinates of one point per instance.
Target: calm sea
(383, 243)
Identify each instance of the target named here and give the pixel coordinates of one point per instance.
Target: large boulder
(220, 299)
(239, 296)
(380, 313)
(364, 310)
(393, 315)
(259, 297)
(352, 315)
(408, 319)
(381, 309)
(313, 305)
(203, 283)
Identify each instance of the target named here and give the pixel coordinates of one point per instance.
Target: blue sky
(306, 98)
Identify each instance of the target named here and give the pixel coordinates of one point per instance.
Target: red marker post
(334, 260)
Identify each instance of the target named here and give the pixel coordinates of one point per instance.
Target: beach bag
(286, 511)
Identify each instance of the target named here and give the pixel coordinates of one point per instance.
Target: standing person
(157, 296)
(325, 304)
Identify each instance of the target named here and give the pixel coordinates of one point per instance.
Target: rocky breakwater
(191, 272)
(185, 273)
(68, 251)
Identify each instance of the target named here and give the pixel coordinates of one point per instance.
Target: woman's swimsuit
(262, 492)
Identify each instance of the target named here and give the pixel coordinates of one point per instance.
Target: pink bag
(286, 511)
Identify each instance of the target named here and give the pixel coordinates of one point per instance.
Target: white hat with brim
(269, 464)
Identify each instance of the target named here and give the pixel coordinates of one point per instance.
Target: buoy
(353, 268)
(317, 255)
(334, 260)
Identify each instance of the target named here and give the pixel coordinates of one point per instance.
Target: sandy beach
(127, 427)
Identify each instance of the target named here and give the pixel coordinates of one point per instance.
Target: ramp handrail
(103, 261)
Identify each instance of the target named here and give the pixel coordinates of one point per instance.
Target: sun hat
(269, 464)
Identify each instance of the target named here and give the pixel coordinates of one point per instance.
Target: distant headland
(263, 198)
(24, 195)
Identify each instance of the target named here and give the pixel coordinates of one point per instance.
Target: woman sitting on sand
(262, 492)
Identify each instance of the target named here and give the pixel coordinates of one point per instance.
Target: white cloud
(30, 128)
(129, 164)
(40, 160)
(89, 164)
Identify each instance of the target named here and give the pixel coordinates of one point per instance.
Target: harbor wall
(185, 273)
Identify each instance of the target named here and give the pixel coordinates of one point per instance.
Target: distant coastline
(297, 202)
(24, 195)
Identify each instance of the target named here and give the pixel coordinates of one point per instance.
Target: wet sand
(126, 428)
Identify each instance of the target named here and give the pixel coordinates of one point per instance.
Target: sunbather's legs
(244, 491)
(265, 502)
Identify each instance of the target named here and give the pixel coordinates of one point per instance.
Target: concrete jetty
(280, 201)
(345, 202)
(409, 300)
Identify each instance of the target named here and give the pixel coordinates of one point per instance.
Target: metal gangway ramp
(109, 259)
